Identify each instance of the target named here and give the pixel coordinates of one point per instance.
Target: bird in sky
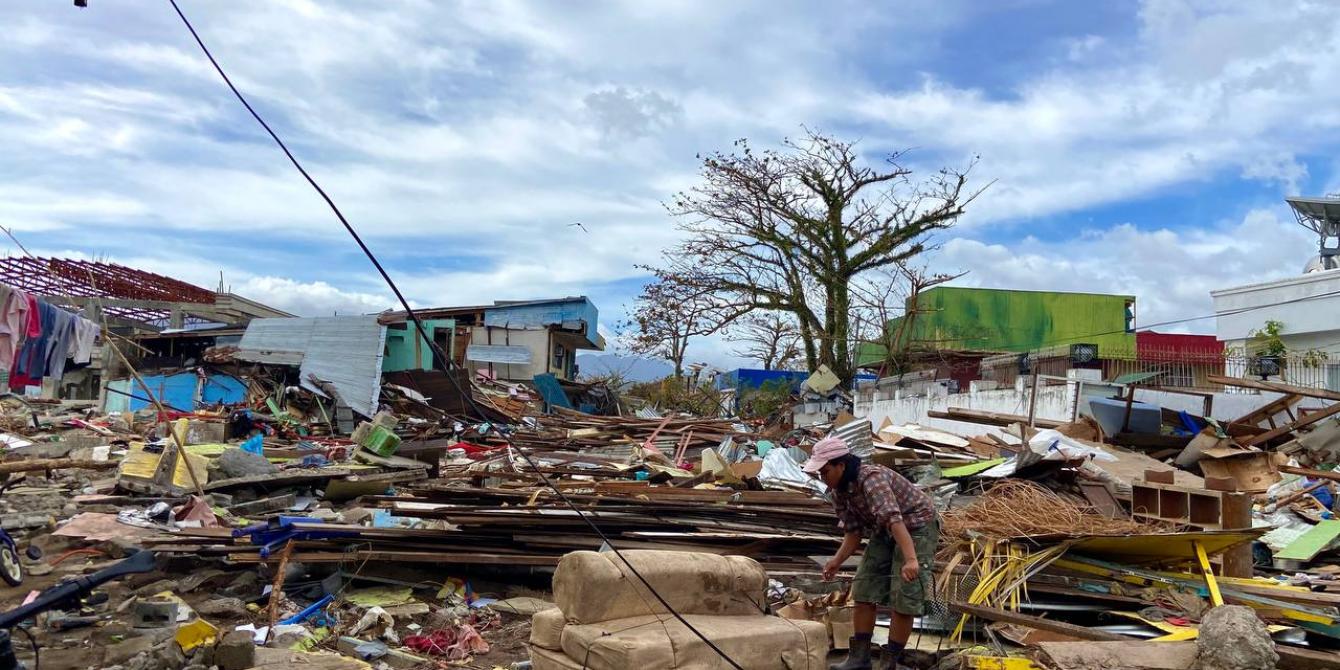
(579, 225)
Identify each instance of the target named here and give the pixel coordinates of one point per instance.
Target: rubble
(453, 526)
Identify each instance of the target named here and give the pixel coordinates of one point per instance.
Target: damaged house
(508, 340)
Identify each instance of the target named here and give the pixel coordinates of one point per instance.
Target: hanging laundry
(34, 317)
(59, 344)
(30, 365)
(85, 334)
(13, 324)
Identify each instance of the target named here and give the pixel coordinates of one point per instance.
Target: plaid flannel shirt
(880, 497)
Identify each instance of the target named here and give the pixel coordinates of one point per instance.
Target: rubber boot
(885, 659)
(890, 659)
(858, 656)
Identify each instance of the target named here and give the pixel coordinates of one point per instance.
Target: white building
(1307, 306)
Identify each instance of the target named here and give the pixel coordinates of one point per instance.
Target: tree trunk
(840, 328)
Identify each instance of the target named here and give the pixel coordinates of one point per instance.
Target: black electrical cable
(442, 355)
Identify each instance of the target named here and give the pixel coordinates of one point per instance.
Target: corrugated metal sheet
(498, 353)
(345, 351)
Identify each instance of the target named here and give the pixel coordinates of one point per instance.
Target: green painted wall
(400, 352)
(1000, 320)
(1003, 320)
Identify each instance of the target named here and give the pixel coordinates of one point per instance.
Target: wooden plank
(991, 418)
(1294, 658)
(1216, 598)
(1235, 512)
(402, 557)
(1295, 425)
(1311, 543)
(1050, 625)
(1286, 389)
(1315, 474)
(1272, 408)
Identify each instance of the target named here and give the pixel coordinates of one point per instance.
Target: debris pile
(430, 531)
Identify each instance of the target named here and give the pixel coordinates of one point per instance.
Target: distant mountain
(632, 368)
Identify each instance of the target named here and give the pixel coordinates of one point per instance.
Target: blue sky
(1132, 147)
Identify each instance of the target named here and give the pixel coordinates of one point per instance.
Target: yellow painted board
(1001, 663)
(1216, 598)
(141, 464)
(1136, 549)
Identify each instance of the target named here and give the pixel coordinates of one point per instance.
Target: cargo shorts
(879, 577)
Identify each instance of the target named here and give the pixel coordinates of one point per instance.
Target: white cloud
(1171, 273)
(462, 138)
(315, 298)
(1079, 48)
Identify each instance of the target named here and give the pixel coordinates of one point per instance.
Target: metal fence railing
(1179, 368)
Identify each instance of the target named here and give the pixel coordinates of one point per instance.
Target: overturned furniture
(607, 619)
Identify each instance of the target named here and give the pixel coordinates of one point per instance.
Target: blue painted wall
(545, 314)
(176, 391)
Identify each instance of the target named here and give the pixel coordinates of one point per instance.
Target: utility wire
(446, 359)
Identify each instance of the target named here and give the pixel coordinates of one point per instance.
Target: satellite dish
(1321, 216)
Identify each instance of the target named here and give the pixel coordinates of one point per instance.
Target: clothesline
(39, 340)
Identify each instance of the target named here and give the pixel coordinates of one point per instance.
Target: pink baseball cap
(824, 451)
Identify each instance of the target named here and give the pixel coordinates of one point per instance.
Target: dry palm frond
(1017, 508)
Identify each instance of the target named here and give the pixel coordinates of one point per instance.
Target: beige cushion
(546, 629)
(591, 587)
(656, 642)
(549, 659)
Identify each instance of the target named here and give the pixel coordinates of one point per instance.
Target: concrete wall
(537, 341)
(1307, 305)
(407, 350)
(1060, 401)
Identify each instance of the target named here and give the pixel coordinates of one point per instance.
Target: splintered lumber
(990, 418)
(36, 464)
(1294, 425)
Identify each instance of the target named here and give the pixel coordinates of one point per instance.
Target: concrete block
(237, 651)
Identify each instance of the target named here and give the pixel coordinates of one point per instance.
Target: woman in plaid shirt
(896, 518)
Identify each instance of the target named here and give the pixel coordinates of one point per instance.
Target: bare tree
(771, 338)
(789, 230)
(665, 317)
(887, 308)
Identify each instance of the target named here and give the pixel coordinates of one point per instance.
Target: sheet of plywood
(1311, 543)
(1130, 466)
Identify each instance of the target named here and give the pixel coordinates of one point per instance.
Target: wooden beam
(1276, 387)
(990, 418)
(1295, 425)
(1316, 474)
(1269, 410)
(53, 464)
(1049, 625)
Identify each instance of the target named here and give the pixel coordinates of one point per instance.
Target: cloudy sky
(1135, 147)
